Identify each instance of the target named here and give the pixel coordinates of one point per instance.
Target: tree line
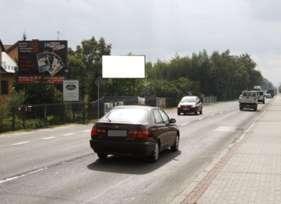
(220, 74)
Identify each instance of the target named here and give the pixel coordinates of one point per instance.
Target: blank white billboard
(123, 66)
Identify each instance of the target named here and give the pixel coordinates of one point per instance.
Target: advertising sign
(123, 66)
(42, 61)
(70, 90)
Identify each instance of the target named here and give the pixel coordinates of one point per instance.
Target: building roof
(10, 47)
(6, 46)
(8, 64)
(2, 46)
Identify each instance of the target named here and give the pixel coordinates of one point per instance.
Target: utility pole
(58, 35)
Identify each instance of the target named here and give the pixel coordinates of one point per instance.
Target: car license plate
(117, 133)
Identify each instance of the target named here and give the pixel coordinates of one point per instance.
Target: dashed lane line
(68, 134)
(48, 138)
(20, 143)
(19, 176)
(86, 131)
(34, 171)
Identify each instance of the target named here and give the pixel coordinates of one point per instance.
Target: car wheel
(179, 112)
(175, 147)
(201, 112)
(102, 156)
(155, 155)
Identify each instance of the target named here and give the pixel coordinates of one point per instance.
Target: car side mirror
(172, 120)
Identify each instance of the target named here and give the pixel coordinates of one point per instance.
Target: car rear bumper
(132, 148)
(188, 110)
(248, 105)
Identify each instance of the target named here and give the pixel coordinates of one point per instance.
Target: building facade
(8, 68)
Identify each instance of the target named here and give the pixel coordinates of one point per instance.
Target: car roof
(189, 97)
(250, 91)
(135, 107)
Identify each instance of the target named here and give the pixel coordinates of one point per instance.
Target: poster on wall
(42, 61)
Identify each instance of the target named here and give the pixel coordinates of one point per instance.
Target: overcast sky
(157, 28)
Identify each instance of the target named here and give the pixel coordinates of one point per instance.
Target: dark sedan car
(141, 131)
(190, 104)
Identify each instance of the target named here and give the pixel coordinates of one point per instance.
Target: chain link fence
(44, 115)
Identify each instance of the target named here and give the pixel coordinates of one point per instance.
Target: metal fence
(44, 115)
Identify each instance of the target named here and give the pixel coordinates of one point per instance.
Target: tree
(85, 64)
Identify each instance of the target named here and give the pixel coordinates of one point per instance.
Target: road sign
(70, 90)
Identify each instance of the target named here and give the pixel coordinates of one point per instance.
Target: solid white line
(48, 138)
(20, 143)
(68, 134)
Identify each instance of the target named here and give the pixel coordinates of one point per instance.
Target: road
(56, 165)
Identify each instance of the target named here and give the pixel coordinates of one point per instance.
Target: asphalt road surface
(56, 165)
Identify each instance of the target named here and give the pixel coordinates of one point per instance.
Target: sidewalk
(251, 171)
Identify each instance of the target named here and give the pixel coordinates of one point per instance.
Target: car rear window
(127, 115)
(189, 99)
(249, 93)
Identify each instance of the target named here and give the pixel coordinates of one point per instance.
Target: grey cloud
(156, 28)
(267, 10)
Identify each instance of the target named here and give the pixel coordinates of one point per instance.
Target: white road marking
(184, 124)
(20, 176)
(226, 129)
(68, 134)
(87, 131)
(20, 143)
(15, 134)
(109, 189)
(48, 138)
(46, 130)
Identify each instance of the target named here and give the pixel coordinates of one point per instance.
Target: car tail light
(97, 131)
(140, 134)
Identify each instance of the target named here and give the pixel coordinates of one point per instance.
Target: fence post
(45, 115)
(23, 120)
(83, 112)
(63, 113)
(13, 118)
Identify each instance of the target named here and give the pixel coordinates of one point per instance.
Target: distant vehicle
(272, 92)
(257, 88)
(249, 99)
(141, 131)
(268, 95)
(261, 97)
(190, 104)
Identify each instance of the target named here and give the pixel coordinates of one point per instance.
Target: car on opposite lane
(141, 131)
(190, 104)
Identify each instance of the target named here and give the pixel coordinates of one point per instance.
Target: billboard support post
(97, 82)
(98, 98)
